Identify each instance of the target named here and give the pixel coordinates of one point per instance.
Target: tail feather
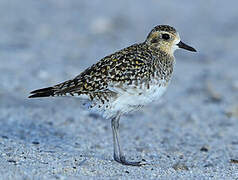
(45, 92)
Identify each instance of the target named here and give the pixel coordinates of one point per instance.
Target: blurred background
(47, 42)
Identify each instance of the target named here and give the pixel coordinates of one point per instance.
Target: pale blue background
(43, 42)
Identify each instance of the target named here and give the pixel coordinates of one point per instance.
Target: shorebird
(125, 80)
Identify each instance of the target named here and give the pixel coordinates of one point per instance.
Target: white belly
(132, 99)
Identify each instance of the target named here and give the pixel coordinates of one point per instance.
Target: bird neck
(163, 54)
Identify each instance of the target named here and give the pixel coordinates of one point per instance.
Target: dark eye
(165, 36)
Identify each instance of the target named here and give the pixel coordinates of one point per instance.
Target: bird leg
(118, 154)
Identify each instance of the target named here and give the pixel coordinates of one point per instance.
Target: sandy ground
(191, 134)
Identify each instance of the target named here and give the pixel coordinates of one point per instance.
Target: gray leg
(118, 154)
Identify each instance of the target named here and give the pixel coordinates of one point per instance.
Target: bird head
(166, 38)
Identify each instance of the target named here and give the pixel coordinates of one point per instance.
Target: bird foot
(122, 160)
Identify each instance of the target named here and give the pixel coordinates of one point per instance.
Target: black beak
(185, 46)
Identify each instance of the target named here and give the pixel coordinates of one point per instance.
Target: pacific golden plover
(126, 80)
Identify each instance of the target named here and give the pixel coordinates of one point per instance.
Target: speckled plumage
(125, 80)
(134, 67)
